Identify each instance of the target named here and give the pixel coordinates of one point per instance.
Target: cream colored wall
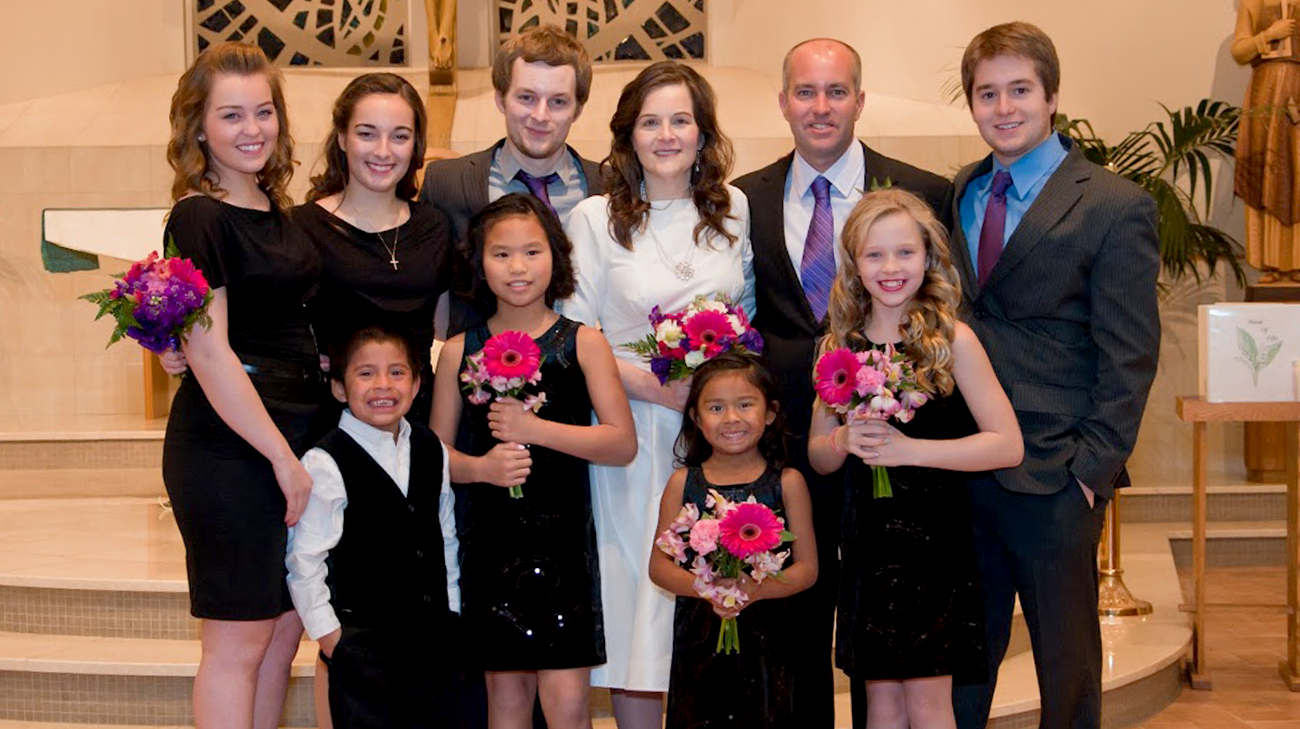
(56, 46)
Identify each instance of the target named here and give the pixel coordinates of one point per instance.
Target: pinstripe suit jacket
(1068, 317)
(459, 186)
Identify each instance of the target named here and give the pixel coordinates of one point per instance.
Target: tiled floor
(1244, 648)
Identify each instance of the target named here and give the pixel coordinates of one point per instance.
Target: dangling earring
(696, 169)
(642, 188)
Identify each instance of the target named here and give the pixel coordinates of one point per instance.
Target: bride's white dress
(617, 288)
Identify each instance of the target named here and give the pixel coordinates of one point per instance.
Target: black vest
(388, 565)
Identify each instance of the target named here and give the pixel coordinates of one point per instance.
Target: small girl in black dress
(732, 441)
(238, 426)
(909, 616)
(530, 579)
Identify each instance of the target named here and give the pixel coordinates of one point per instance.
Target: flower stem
(728, 637)
(880, 487)
(516, 492)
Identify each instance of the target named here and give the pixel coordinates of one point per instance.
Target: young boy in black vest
(373, 566)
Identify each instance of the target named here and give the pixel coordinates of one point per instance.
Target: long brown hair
(628, 212)
(930, 319)
(189, 157)
(335, 177)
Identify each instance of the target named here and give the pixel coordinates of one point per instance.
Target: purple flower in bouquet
(681, 341)
(157, 301)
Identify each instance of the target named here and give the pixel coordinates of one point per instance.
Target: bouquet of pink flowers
(507, 364)
(157, 302)
(685, 340)
(747, 532)
(870, 385)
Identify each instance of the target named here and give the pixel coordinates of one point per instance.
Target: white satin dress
(617, 288)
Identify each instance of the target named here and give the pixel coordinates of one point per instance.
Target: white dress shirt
(321, 525)
(846, 177)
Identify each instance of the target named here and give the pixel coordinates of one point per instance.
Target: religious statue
(1268, 145)
(441, 15)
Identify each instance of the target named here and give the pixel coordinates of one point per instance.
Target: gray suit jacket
(459, 186)
(1069, 319)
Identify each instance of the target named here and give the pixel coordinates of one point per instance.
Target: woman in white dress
(668, 230)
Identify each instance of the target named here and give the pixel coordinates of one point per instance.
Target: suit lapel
(475, 180)
(1059, 195)
(767, 214)
(960, 247)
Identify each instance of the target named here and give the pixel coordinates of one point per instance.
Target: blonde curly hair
(930, 319)
(189, 157)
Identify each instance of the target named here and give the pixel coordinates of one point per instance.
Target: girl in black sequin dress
(530, 578)
(732, 442)
(909, 619)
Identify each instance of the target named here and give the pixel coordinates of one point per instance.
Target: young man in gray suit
(541, 78)
(1058, 259)
(821, 97)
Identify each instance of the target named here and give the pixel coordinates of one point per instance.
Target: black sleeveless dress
(750, 688)
(909, 603)
(530, 580)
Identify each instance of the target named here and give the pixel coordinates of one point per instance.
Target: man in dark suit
(790, 202)
(1058, 259)
(542, 78)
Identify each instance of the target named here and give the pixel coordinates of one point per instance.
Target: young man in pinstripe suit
(1059, 260)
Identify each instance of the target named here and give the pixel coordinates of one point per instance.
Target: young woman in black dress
(239, 424)
(382, 254)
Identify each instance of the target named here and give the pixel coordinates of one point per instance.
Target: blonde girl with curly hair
(909, 620)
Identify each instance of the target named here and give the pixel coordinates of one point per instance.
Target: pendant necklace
(682, 269)
(392, 250)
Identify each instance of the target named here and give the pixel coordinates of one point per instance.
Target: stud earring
(203, 137)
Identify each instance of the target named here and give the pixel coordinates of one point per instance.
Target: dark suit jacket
(784, 318)
(1068, 317)
(459, 188)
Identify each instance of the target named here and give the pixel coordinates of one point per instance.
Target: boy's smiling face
(378, 385)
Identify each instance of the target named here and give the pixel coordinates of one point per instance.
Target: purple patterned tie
(537, 186)
(995, 224)
(817, 270)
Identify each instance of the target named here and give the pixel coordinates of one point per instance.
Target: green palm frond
(1153, 158)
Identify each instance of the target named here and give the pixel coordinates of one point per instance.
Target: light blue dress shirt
(1028, 176)
(565, 192)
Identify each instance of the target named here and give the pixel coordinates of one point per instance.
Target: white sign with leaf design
(1249, 352)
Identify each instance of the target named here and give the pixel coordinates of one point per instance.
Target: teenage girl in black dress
(239, 424)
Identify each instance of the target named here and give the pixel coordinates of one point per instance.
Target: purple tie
(537, 186)
(995, 224)
(817, 269)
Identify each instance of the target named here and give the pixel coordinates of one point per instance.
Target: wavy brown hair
(189, 157)
(628, 212)
(930, 319)
(335, 177)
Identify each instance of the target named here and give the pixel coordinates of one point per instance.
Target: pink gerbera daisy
(836, 376)
(750, 528)
(511, 354)
(705, 328)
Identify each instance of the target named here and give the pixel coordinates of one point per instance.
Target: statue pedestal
(1265, 443)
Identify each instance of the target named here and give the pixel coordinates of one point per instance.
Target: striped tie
(817, 270)
(537, 186)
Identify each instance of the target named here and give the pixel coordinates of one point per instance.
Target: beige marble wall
(52, 356)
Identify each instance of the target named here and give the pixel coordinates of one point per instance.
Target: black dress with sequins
(909, 603)
(530, 579)
(750, 688)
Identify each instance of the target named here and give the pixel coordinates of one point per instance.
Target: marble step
(1225, 502)
(134, 449)
(64, 483)
(118, 680)
(1232, 544)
